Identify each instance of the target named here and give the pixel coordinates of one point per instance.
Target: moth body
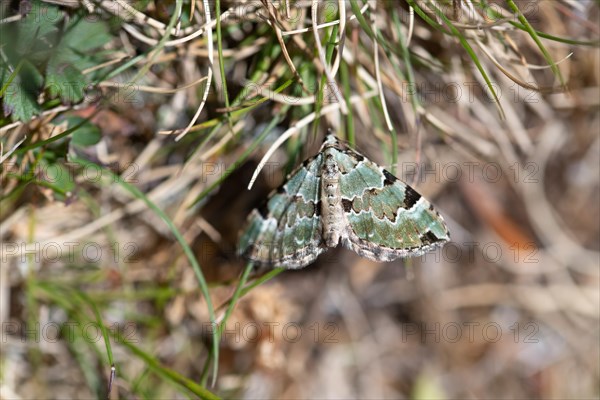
(340, 196)
(332, 213)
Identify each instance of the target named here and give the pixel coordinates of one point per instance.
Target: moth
(341, 197)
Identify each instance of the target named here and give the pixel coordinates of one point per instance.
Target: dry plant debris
(129, 131)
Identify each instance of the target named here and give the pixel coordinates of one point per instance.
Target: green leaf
(59, 176)
(63, 79)
(37, 26)
(20, 94)
(83, 35)
(88, 134)
(63, 72)
(50, 61)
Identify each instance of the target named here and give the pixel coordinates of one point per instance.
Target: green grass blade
(12, 76)
(345, 79)
(100, 323)
(537, 41)
(74, 302)
(559, 39)
(66, 133)
(320, 93)
(169, 374)
(361, 19)
(493, 13)
(220, 56)
(186, 248)
(161, 44)
(465, 44)
(259, 281)
(410, 75)
(234, 299)
(426, 17)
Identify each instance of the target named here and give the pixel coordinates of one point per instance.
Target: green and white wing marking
(386, 218)
(347, 198)
(286, 230)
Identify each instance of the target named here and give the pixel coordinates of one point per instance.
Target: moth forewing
(340, 196)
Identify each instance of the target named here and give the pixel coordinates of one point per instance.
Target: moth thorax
(332, 214)
(330, 168)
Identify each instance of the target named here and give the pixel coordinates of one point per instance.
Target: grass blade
(537, 41)
(186, 248)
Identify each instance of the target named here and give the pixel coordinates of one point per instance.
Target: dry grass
(510, 309)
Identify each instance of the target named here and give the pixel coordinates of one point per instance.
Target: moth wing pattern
(286, 230)
(386, 218)
(369, 211)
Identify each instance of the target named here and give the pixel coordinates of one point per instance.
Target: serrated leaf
(31, 78)
(38, 23)
(20, 97)
(63, 72)
(87, 134)
(84, 35)
(63, 79)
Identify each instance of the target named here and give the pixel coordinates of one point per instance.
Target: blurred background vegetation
(129, 132)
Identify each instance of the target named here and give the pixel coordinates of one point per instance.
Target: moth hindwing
(340, 196)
